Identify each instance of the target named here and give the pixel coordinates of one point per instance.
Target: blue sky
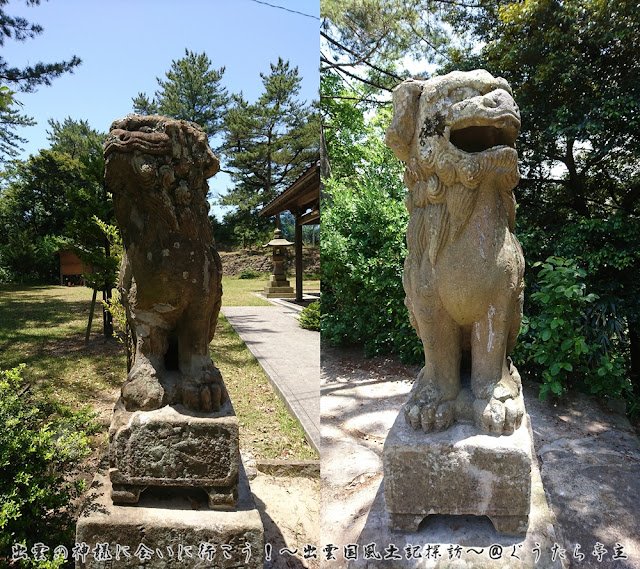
(125, 44)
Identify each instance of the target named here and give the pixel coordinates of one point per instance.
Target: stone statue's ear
(405, 107)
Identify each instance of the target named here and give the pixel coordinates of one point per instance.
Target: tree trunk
(576, 182)
(93, 307)
(107, 317)
(634, 349)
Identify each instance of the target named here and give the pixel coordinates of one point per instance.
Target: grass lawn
(44, 327)
(242, 292)
(267, 430)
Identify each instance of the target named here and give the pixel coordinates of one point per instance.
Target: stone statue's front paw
(429, 416)
(143, 390)
(499, 417)
(206, 394)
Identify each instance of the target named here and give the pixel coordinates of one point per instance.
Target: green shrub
(41, 443)
(310, 316)
(249, 274)
(363, 251)
(567, 341)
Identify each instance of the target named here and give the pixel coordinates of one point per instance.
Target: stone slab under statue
(173, 434)
(460, 448)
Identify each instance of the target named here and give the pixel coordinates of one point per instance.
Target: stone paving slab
(289, 354)
(590, 465)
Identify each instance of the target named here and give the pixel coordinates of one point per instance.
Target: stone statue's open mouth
(481, 138)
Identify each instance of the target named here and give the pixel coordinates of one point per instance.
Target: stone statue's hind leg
(431, 402)
(499, 406)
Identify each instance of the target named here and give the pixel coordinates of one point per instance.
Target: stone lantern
(278, 286)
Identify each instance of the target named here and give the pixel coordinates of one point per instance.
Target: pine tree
(191, 91)
(268, 144)
(25, 79)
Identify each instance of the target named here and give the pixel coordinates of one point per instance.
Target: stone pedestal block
(458, 471)
(174, 447)
(166, 529)
(278, 287)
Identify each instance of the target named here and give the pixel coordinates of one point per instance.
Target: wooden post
(93, 306)
(298, 240)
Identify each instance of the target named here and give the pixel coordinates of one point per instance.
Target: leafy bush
(568, 339)
(310, 316)
(40, 445)
(249, 274)
(363, 246)
(363, 251)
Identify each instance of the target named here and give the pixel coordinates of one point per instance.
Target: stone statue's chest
(482, 261)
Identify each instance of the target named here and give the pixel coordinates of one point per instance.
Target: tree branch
(360, 99)
(354, 76)
(361, 59)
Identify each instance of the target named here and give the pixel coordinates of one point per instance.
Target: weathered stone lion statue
(170, 279)
(463, 275)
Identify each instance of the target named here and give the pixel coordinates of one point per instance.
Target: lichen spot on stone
(176, 245)
(165, 252)
(185, 275)
(194, 281)
(149, 255)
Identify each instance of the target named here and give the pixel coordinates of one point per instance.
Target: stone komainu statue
(170, 279)
(463, 275)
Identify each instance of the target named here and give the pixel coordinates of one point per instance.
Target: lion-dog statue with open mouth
(463, 274)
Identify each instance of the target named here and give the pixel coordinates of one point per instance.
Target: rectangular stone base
(447, 542)
(279, 292)
(174, 447)
(458, 471)
(165, 530)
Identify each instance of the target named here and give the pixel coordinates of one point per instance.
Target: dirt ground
(352, 439)
(588, 456)
(290, 510)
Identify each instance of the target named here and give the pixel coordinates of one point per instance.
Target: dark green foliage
(34, 211)
(41, 444)
(363, 249)
(608, 254)
(310, 316)
(249, 274)
(568, 340)
(56, 200)
(89, 230)
(573, 66)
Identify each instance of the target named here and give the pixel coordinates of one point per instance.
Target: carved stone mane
(442, 180)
